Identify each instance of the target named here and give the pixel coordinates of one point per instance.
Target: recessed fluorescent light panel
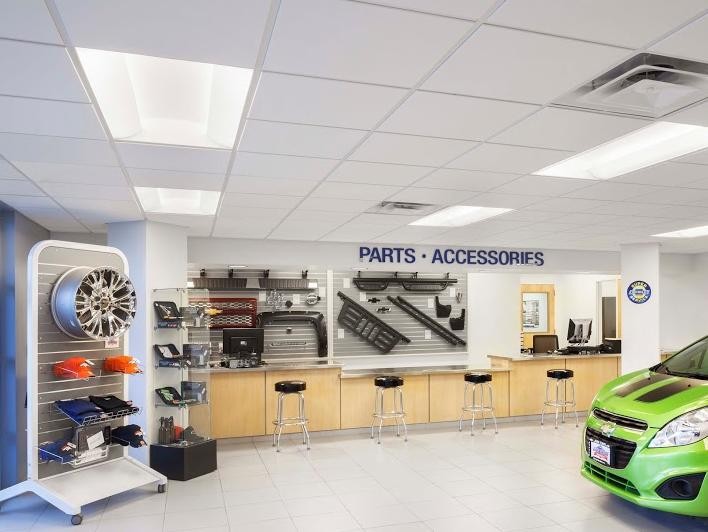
(650, 145)
(691, 232)
(178, 201)
(458, 216)
(167, 101)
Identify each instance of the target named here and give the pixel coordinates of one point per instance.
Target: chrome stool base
(397, 414)
(475, 407)
(281, 421)
(560, 403)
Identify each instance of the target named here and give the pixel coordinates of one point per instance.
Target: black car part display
(303, 283)
(458, 324)
(373, 300)
(410, 282)
(363, 323)
(96, 303)
(415, 313)
(442, 311)
(285, 316)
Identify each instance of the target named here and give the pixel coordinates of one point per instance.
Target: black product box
(184, 462)
(194, 391)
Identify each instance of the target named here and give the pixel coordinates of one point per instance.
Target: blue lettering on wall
(459, 256)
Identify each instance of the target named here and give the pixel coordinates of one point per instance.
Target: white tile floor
(526, 477)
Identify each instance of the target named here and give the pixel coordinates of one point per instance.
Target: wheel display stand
(107, 470)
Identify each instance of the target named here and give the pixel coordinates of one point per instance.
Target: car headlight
(684, 430)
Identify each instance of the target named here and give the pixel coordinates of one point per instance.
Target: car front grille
(622, 421)
(610, 478)
(622, 449)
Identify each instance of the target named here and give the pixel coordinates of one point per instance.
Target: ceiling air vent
(405, 208)
(646, 85)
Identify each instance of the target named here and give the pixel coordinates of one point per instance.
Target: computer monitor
(579, 330)
(239, 342)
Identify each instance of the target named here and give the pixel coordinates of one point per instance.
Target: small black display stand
(178, 462)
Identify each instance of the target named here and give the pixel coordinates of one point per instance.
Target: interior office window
(534, 312)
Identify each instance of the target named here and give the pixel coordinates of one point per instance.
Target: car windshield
(690, 362)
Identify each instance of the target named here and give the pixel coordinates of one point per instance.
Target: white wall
(576, 297)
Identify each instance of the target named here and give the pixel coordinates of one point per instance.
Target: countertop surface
(527, 358)
(277, 366)
(416, 370)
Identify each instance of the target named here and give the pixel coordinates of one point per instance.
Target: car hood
(653, 397)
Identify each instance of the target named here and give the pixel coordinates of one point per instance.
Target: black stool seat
(560, 373)
(290, 386)
(390, 381)
(478, 378)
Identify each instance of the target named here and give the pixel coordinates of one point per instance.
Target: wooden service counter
(527, 378)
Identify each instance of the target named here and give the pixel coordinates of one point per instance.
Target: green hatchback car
(646, 437)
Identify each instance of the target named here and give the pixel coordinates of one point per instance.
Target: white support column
(640, 321)
(157, 258)
(493, 315)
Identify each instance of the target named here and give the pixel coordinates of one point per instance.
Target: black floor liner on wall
(366, 325)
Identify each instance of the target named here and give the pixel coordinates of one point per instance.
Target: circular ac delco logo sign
(639, 292)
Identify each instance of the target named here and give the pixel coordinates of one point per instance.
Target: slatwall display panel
(275, 334)
(352, 345)
(53, 345)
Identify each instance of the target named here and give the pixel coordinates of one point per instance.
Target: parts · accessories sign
(451, 256)
(639, 292)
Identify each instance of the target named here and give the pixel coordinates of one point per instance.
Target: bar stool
(285, 388)
(397, 414)
(483, 382)
(560, 402)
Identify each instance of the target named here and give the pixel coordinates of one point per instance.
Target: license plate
(601, 452)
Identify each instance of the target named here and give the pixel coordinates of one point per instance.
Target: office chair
(542, 343)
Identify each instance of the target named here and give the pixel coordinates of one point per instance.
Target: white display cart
(71, 484)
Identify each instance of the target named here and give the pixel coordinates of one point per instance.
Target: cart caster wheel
(76, 519)
(161, 488)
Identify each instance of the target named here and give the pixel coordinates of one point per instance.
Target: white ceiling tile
(282, 166)
(326, 217)
(409, 149)
(359, 42)
(676, 211)
(28, 202)
(699, 157)
(79, 191)
(447, 115)
(512, 159)
(27, 20)
(337, 204)
(565, 129)
(244, 227)
(614, 191)
(19, 187)
(53, 219)
(696, 115)
(335, 189)
(265, 215)
(529, 216)
(690, 41)
(448, 8)
(324, 102)
(385, 221)
(196, 225)
(543, 186)
(35, 148)
(667, 174)
(675, 196)
(73, 173)
(142, 177)
(39, 71)
(47, 117)
(551, 227)
(506, 201)
(378, 173)
(224, 32)
(411, 234)
(353, 232)
(616, 208)
(7, 171)
(577, 205)
(632, 23)
(464, 180)
(429, 195)
(181, 159)
(234, 201)
(100, 212)
(267, 185)
(300, 230)
(516, 65)
(298, 139)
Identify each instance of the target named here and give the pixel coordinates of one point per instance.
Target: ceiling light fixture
(691, 232)
(650, 145)
(167, 101)
(178, 201)
(458, 216)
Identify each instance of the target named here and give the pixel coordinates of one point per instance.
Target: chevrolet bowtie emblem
(608, 428)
